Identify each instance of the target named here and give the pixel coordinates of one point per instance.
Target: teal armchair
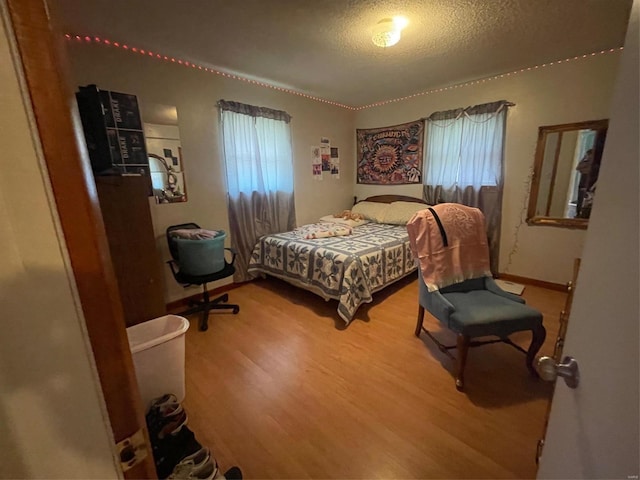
(478, 307)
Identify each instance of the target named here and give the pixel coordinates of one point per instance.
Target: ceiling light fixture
(387, 31)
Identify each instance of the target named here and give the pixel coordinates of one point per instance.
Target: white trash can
(157, 348)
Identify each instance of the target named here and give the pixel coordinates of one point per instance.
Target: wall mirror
(162, 137)
(565, 174)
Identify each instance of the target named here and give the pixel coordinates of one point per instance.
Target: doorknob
(549, 370)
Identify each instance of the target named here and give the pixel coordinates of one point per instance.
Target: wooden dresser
(127, 219)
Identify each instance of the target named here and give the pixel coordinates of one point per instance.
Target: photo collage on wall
(325, 158)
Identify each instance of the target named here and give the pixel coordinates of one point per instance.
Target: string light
(188, 64)
(488, 79)
(185, 63)
(521, 221)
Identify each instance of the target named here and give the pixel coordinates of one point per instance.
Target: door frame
(67, 162)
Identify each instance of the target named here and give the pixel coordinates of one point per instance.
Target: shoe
(171, 425)
(204, 471)
(173, 448)
(163, 411)
(162, 406)
(164, 400)
(234, 473)
(164, 422)
(193, 462)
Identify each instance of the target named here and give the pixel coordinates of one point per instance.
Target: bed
(348, 268)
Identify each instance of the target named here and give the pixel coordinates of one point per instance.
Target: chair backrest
(450, 243)
(465, 286)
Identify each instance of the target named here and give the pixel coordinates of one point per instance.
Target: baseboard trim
(183, 303)
(533, 281)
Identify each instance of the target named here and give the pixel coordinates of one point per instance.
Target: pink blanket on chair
(467, 253)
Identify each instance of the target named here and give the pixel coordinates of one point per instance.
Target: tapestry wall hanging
(390, 155)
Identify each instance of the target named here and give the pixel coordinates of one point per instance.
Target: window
(463, 162)
(257, 153)
(259, 168)
(464, 151)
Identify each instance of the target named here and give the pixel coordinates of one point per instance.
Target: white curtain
(257, 154)
(464, 162)
(259, 171)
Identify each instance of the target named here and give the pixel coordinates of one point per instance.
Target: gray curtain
(487, 199)
(254, 111)
(259, 171)
(253, 215)
(464, 163)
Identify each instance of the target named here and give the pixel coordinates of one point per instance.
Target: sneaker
(162, 406)
(173, 448)
(164, 410)
(191, 462)
(205, 471)
(171, 425)
(164, 400)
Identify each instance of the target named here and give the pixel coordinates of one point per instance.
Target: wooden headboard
(390, 198)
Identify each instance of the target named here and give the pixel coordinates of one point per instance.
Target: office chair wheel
(236, 309)
(204, 326)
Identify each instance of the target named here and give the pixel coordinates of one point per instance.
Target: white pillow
(371, 210)
(399, 213)
(342, 221)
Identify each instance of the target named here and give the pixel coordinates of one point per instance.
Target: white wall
(195, 94)
(594, 429)
(563, 93)
(53, 421)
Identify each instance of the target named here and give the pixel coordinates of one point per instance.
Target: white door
(593, 430)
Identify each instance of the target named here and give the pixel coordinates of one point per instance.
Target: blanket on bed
(346, 268)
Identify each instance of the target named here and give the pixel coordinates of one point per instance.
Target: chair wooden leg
(538, 335)
(461, 360)
(420, 320)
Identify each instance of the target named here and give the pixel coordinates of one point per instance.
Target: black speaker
(113, 131)
(92, 114)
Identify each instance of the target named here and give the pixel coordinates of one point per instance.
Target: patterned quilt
(349, 268)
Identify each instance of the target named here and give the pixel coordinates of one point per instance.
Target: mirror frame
(532, 218)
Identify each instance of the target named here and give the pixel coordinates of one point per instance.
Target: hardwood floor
(283, 390)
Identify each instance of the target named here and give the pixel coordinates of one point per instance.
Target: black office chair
(206, 304)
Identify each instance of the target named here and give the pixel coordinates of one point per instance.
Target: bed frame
(390, 199)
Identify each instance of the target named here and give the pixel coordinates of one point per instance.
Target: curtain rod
(459, 110)
(253, 110)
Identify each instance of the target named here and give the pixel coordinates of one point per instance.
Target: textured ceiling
(323, 47)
